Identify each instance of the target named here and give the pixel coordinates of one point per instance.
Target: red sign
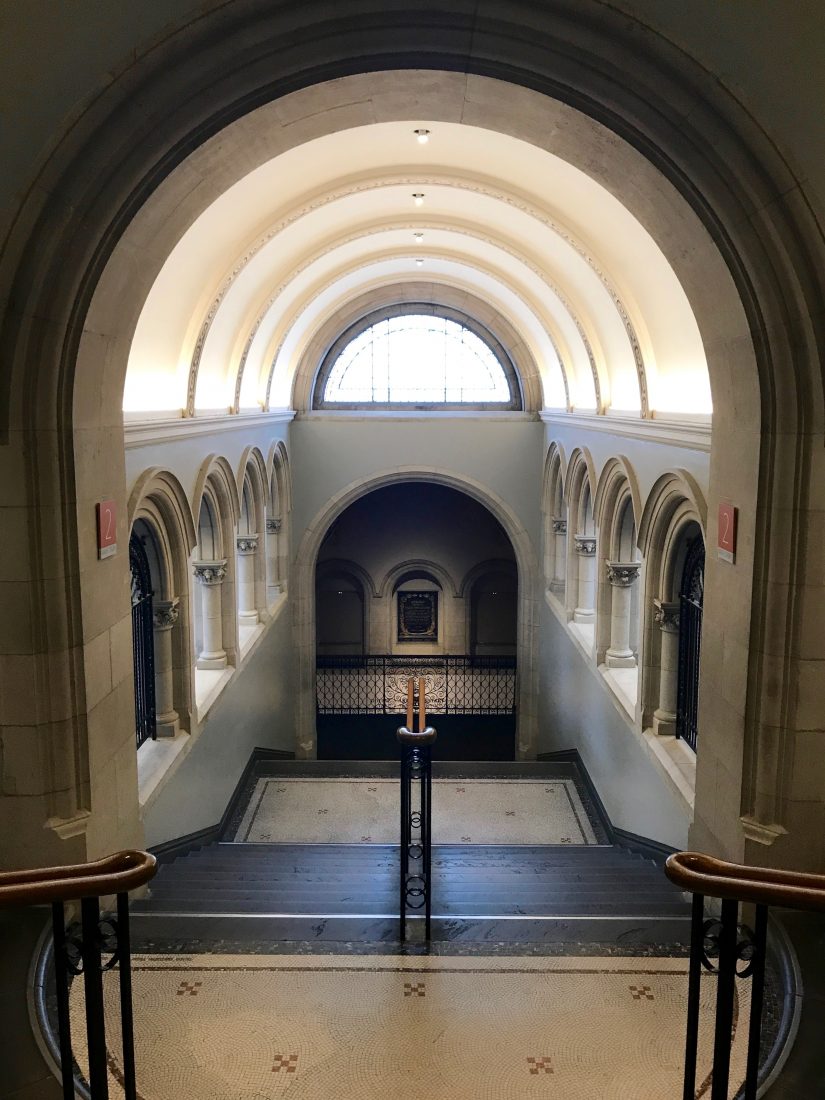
(727, 532)
(106, 529)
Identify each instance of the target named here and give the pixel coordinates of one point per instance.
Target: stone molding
(622, 574)
(247, 544)
(210, 572)
(559, 526)
(667, 616)
(273, 525)
(585, 545)
(165, 613)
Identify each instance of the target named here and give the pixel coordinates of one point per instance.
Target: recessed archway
(697, 175)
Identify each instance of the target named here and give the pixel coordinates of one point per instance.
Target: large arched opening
(96, 231)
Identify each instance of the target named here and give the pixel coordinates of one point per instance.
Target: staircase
(602, 894)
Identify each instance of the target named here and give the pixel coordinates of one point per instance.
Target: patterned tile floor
(466, 811)
(252, 1027)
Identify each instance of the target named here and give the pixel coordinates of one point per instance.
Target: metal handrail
(740, 950)
(80, 950)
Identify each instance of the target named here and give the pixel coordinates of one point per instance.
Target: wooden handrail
(115, 874)
(714, 878)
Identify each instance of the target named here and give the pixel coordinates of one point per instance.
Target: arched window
(417, 356)
(691, 599)
(143, 642)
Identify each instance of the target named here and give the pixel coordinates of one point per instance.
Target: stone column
(586, 550)
(622, 577)
(211, 575)
(664, 717)
(247, 610)
(164, 616)
(560, 555)
(273, 584)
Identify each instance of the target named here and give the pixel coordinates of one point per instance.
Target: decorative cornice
(247, 544)
(210, 572)
(667, 616)
(166, 429)
(622, 574)
(585, 545)
(559, 526)
(273, 525)
(165, 613)
(692, 433)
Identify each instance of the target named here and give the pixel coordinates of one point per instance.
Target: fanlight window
(418, 359)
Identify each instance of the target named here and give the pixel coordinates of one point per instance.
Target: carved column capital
(165, 613)
(247, 544)
(559, 526)
(273, 525)
(585, 545)
(210, 572)
(667, 616)
(623, 573)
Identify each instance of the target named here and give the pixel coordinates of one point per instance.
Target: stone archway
(68, 270)
(304, 607)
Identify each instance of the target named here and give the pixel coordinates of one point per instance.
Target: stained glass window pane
(417, 359)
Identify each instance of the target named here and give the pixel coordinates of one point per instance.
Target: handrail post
(61, 982)
(93, 987)
(415, 864)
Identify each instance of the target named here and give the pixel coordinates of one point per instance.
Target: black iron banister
(90, 946)
(740, 950)
(415, 824)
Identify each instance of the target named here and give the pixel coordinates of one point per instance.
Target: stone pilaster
(557, 583)
(622, 577)
(664, 717)
(211, 575)
(585, 545)
(247, 549)
(165, 614)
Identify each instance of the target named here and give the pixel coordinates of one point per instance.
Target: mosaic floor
(252, 1027)
(466, 811)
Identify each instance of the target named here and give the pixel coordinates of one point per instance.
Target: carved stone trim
(247, 544)
(210, 572)
(559, 526)
(165, 613)
(623, 573)
(585, 545)
(273, 525)
(667, 616)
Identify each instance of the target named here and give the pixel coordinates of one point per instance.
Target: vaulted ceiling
(525, 234)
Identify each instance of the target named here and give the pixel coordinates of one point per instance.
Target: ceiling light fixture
(419, 262)
(422, 136)
(418, 198)
(419, 238)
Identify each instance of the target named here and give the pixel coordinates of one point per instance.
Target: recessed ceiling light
(419, 262)
(422, 136)
(418, 198)
(419, 238)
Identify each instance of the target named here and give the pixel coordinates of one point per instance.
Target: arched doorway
(718, 160)
(398, 549)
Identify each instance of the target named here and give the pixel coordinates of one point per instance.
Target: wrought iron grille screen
(690, 636)
(143, 642)
(378, 685)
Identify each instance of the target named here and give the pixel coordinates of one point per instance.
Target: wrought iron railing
(415, 870)
(378, 684)
(143, 642)
(88, 947)
(722, 945)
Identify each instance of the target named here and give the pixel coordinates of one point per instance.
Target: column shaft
(211, 576)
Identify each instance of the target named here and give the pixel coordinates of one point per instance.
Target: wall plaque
(417, 616)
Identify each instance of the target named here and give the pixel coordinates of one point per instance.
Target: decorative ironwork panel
(143, 642)
(690, 635)
(378, 685)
